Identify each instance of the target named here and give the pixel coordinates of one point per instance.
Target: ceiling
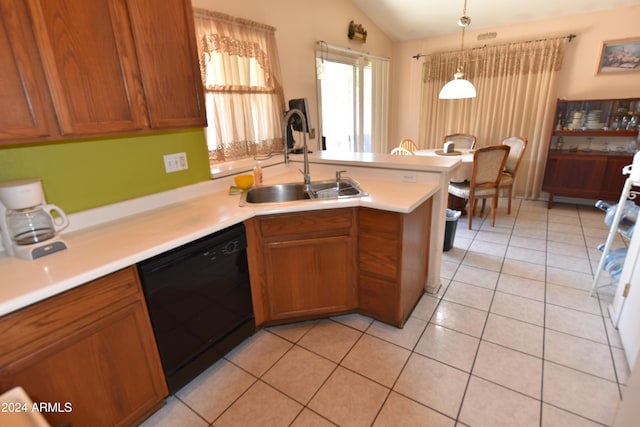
(405, 20)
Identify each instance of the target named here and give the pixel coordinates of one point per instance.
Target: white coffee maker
(29, 230)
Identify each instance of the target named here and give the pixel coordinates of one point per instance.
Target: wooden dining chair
(488, 164)
(408, 144)
(518, 144)
(399, 151)
(462, 140)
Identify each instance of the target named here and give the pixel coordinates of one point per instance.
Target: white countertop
(154, 224)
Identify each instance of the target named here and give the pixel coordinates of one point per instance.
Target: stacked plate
(594, 120)
(576, 120)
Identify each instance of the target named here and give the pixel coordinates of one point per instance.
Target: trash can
(450, 228)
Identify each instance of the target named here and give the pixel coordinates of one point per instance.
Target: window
(243, 93)
(353, 98)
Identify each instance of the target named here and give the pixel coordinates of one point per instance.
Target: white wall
(300, 24)
(577, 81)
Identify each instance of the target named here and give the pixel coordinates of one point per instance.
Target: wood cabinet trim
(50, 320)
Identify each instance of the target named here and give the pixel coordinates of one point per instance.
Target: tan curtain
(516, 85)
(243, 89)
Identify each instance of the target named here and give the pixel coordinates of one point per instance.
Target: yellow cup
(244, 181)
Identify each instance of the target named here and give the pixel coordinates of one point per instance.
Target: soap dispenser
(257, 173)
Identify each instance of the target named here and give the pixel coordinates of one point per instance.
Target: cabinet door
(22, 113)
(310, 277)
(613, 179)
(166, 48)
(103, 372)
(90, 65)
(575, 176)
(92, 347)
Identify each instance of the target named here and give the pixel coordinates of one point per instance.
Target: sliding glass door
(346, 87)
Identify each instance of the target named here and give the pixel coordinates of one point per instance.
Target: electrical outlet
(175, 162)
(182, 161)
(409, 177)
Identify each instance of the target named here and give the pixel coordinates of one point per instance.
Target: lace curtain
(516, 85)
(243, 91)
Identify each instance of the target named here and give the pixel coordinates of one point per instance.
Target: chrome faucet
(305, 150)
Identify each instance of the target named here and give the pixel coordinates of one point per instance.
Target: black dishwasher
(199, 302)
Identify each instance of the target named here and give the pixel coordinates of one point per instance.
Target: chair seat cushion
(462, 190)
(506, 179)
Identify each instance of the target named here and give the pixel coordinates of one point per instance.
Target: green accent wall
(85, 174)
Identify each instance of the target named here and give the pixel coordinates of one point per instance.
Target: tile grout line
(475, 357)
(439, 298)
(338, 364)
(603, 315)
(544, 319)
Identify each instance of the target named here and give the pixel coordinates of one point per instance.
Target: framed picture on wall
(620, 56)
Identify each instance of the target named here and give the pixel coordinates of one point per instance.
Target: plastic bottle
(257, 174)
(627, 220)
(614, 261)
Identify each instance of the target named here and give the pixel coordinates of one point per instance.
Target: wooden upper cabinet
(90, 65)
(165, 40)
(22, 106)
(74, 68)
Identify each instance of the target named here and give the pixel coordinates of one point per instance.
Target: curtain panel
(516, 85)
(379, 105)
(243, 89)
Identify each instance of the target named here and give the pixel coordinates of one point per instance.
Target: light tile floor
(512, 339)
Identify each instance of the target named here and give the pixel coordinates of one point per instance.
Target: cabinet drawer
(377, 220)
(308, 224)
(378, 298)
(378, 254)
(52, 319)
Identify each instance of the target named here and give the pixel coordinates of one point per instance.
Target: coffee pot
(29, 225)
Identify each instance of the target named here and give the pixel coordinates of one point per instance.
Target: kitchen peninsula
(91, 288)
(106, 239)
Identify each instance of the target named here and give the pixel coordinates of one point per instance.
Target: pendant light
(459, 88)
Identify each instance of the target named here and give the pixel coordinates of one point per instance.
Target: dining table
(461, 173)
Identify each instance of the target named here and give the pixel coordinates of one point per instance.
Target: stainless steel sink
(276, 193)
(320, 190)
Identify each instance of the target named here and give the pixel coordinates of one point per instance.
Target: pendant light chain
(459, 88)
(461, 55)
(464, 22)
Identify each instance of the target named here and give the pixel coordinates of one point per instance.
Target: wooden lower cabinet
(614, 182)
(319, 263)
(302, 264)
(393, 261)
(90, 349)
(584, 175)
